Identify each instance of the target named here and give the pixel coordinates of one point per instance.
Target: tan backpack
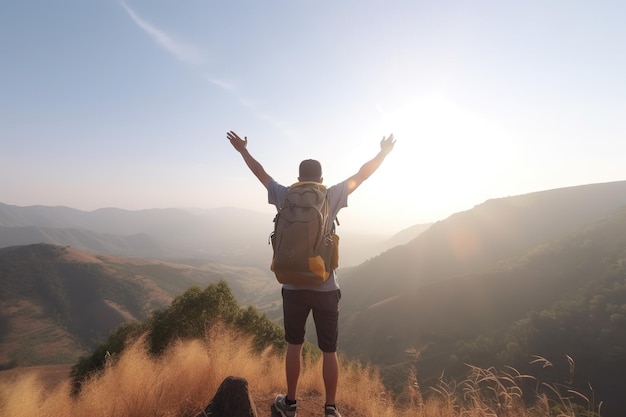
(304, 243)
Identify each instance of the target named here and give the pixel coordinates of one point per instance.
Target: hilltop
(181, 378)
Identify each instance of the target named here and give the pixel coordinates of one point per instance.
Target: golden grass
(182, 381)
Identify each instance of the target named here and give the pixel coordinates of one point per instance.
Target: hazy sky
(107, 103)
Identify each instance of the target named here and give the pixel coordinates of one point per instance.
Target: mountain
(476, 239)
(56, 302)
(537, 274)
(405, 236)
(138, 245)
(68, 277)
(218, 234)
(226, 235)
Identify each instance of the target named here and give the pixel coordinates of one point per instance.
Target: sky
(126, 104)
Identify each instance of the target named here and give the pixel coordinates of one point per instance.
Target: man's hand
(256, 168)
(238, 143)
(386, 144)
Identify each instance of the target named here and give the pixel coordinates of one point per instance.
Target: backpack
(304, 243)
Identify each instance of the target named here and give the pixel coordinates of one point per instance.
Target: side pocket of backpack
(334, 259)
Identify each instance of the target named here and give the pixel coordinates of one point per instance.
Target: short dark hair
(310, 170)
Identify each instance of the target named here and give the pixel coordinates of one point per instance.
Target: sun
(444, 151)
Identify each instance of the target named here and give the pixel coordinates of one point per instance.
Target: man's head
(310, 170)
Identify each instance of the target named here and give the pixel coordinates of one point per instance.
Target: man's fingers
(233, 136)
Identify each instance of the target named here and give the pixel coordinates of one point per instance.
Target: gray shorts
(297, 304)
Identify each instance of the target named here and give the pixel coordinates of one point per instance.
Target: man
(323, 299)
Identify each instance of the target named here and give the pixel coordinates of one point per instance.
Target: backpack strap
(336, 220)
(299, 183)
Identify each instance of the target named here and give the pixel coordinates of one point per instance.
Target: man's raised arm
(240, 146)
(368, 168)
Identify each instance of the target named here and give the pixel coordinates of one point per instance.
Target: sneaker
(331, 411)
(283, 408)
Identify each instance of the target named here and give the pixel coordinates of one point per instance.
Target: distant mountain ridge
(214, 234)
(227, 235)
(138, 245)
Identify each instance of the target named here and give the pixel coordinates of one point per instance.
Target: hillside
(172, 363)
(57, 303)
(475, 240)
(185, 378)
(509, 279)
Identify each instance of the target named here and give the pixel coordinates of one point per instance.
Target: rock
(232, 399)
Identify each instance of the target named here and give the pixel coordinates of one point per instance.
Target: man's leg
(292, 367)
(330, 372)
(326, 317)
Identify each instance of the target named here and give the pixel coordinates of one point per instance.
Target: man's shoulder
(339, 187)
(338, 191)
(275, 185)
(276, 192)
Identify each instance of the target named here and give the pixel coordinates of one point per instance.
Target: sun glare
(448, 151)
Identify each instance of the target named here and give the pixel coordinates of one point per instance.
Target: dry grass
(185, 378)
